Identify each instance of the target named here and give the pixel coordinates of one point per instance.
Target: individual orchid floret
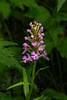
(35, 28)
(24, 59)
(42, 34)
(25, 44)
(37, 24)
(25, 49)
(34, 43)
(41, 48)
(26, 38)
(40, 24)
(29, 57)
(28, 30)
(32, 36)
(39, 34)
(34, 55)
(41, 28)
(30, 23)
(41, 38)
(41, 42)
(45, 55)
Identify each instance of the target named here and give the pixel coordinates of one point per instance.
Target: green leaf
(3, 96)
(6, 43)
(54, 94)
(23, 3)
(7, 56)
(40, 13)
(60, 3)
(54, 31)
(25, 80)
(40, 70)
(62, 46)
(17, 84)
(60, 16)
(40, 98)
(5, 9)
(49, 45)
(30, 3)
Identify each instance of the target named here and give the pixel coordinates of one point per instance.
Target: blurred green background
(15, 16)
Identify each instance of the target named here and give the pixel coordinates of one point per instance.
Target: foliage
(52, 94)
(15, 16)
(60, 3)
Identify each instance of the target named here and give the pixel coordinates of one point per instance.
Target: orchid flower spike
(36, 49)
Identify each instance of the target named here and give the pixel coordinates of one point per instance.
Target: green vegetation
(50, 83)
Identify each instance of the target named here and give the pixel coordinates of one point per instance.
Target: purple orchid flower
(41, 41)
(41, 38)
(29, 57)
(34, 43)
(36, 39)
(34, 55)
(45, 55)
(26, 38)
(41, 47)
(32, 36)
(30, 23)
(25, 49)
(24, 59)
(28, 30)
(25, 44)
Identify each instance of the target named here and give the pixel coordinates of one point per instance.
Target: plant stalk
(32, 81)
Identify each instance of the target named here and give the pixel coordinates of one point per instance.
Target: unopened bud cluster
(36, 48)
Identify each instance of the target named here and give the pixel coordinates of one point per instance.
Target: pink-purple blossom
(36, 47)
(27, 58)
(35, 28)
(41, 47)
(25, 44)
(41, 28)
(25, 49)
(38, 34)
(24, 59)
(45, 55)
(41, 38)
(28, 30)
(40, 24)
(32, 36)
(34, 55)
(34, 43)
(26, 38)
(35, 22)
(41, 41)
(30, 23)
(42, 34)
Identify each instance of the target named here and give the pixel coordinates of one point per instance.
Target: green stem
(32, 81)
